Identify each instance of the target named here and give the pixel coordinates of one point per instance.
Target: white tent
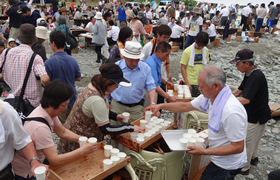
(242, 2)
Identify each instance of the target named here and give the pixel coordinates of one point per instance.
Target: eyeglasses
(65, 106)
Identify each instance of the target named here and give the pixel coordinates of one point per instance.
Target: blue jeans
(189, 41)
(259, 23)
(22, 178)
(214, 172)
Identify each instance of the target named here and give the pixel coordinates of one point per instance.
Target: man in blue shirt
(122, 16)
(63, 67)
(161, 53)
(172, 23)
(131, 99)
(29, 16)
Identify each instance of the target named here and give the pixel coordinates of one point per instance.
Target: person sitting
(124, 35)
(172, 23)
(113, 34)
(55, 99)
(149, 30)
(162, 19)
(216, 19)
(90, 115)
(177, 32)
(78, 14)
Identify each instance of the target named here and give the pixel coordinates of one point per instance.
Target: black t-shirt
(15, 17)
(255, 89)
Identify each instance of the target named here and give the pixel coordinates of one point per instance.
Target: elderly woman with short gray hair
(61, 21)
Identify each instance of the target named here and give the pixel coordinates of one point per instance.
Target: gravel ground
(267, 58)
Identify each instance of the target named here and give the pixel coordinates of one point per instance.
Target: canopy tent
(240, 2)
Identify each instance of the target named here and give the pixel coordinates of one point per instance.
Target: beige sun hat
(132, 50)
(41, 32)
(130, 13)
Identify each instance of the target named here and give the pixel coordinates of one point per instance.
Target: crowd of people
(132, 79)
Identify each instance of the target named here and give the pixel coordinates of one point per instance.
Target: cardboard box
(86, 167)
(125, 139)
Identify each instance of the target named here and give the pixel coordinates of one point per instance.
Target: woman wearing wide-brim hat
(196, 23)
(135, 24)
(63, 11)
(99, 32)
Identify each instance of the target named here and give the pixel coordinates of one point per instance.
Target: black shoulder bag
(21, 104)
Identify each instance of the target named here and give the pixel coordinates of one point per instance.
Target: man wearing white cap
(131, 99)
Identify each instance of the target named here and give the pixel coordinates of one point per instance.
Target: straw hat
(98, 15)
(27, 34)
(132, 50)
(41, 32)
(130, 14)
(63, 9)
(196, 10)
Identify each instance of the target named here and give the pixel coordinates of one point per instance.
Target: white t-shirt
(114, 33)
(245, 11)
(212, 11)
(77, 15)
(90, 26)
(213, 31)
(233, 128)
(13, 137)
(177, 31)
(149, 15)
(225, 12)
(185, 21)
(194, 26)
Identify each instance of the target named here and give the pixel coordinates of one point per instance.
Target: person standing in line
(122, 15)
(253, 95)
(245, 14)
(224, 16)
(261, 13)
(233, 13)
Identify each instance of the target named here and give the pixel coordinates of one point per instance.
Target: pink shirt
(42, 138)
(137, 27)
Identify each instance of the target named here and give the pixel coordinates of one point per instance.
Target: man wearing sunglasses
(253, 94)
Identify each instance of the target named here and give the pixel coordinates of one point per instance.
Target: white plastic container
(92, 140)
(152, 123)
(143, 123)
(126, 117)
(191, 131)
(107, 163)
(121, 155)
(148, 127)
(40, 173)
(115, 159)
(147, 135)
(191, 142)
(133, 136)
(187, 135)
(140, 140)
(175, 87)
(107, 150)
(114, 151)
(200, 142)
(148, 115)
(164, 125)
(183, 143)
(82, 140)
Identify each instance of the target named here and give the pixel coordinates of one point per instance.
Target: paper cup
(180, 96)
(185, 87)
(164, 125)
(140, 140)
(156, 129)
(157, 122)
(152, 132)
(152, 123)
(141, 135)
(114, 151)
(154, 118)
(161, 120)
(133, 135)
(143, 123)
(200, 142)
(92, 140)
(191, 131)
(191, 142)
(107, 163)
(121, 155)
(170, 91)
(115, 159)
(147, 135)
(148, 115)
(126, 116)
(175, 86)
(107, 150)
(148, 127)
(187, 136)
(167, 122)
(40, 173)
(195, 136)
(82, 140)
(183, 143)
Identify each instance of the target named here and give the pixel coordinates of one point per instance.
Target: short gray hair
(213, 75)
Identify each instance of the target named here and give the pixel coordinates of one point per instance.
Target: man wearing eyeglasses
(253, 94)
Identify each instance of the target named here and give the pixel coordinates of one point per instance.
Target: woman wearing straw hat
(99, 32)
(196, 23)
(63, 11)
(135, 24)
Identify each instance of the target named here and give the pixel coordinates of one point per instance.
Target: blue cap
(23, 8)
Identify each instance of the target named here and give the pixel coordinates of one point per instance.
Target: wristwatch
(34, 158)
